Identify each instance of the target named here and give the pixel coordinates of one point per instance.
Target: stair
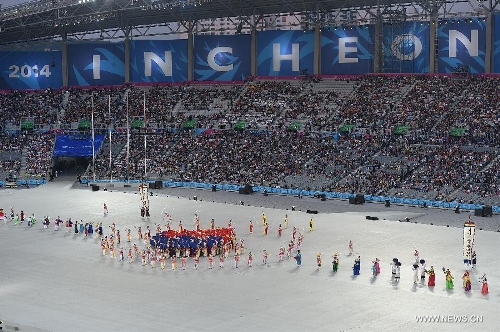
(178, 106)
(22, 170)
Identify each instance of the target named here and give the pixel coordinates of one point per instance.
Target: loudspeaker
(159, 184)
(214, 188)
(487, 211)
(152, 185)
(387, 203)
(312, 211)
(360, 199)
(95, 188)
(352, 200)
(478, 212)
(248, 189)
(323, 199)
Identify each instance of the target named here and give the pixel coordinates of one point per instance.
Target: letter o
(402, 39)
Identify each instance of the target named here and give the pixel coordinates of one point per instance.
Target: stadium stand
(428, 137)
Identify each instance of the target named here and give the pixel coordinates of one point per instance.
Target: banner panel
(96, 64)
(30, 70)
(469, 237)
(406, 47)
(285, 53)
(222, 58)
(347, 51)
(77, 145)
(462, 46)
(496, 44)
(160, 61)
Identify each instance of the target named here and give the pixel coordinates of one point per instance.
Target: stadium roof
(47, 18)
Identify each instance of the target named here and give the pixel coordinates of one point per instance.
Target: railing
(331, 195)
(281, 191)
(24, 182)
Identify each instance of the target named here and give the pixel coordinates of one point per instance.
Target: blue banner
(96, 64)
(406, 47)
(285, 53)
(30, 70)
(346, 50)
(77, 145)
(462, 45)
(163, 61)
(496, 44)
(222, 58)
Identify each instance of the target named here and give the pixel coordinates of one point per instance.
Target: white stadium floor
(58, 281)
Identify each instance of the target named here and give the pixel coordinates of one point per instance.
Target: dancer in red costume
(250, 259)
(432, 277)
(484, 288)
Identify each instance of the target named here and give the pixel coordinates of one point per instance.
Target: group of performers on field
(17, 218)
(420, 271)
(181, 244)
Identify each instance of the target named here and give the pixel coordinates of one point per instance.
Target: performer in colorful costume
(466, 281)
(335, 262)
(449, 278)
(484, 288)
(432, 277)
(357, 266)
(298, 258)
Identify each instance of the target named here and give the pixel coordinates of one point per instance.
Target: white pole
(93, 140)
(110, 155)
(144, 125)
(128, 144)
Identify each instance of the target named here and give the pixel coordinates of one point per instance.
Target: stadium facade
(45, 44)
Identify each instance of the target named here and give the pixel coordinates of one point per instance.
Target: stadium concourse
(60, 280)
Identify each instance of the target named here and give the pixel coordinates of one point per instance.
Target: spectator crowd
(434, 137)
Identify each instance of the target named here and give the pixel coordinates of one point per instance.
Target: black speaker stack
(359, 199)
(246, 190)
(486, 211)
